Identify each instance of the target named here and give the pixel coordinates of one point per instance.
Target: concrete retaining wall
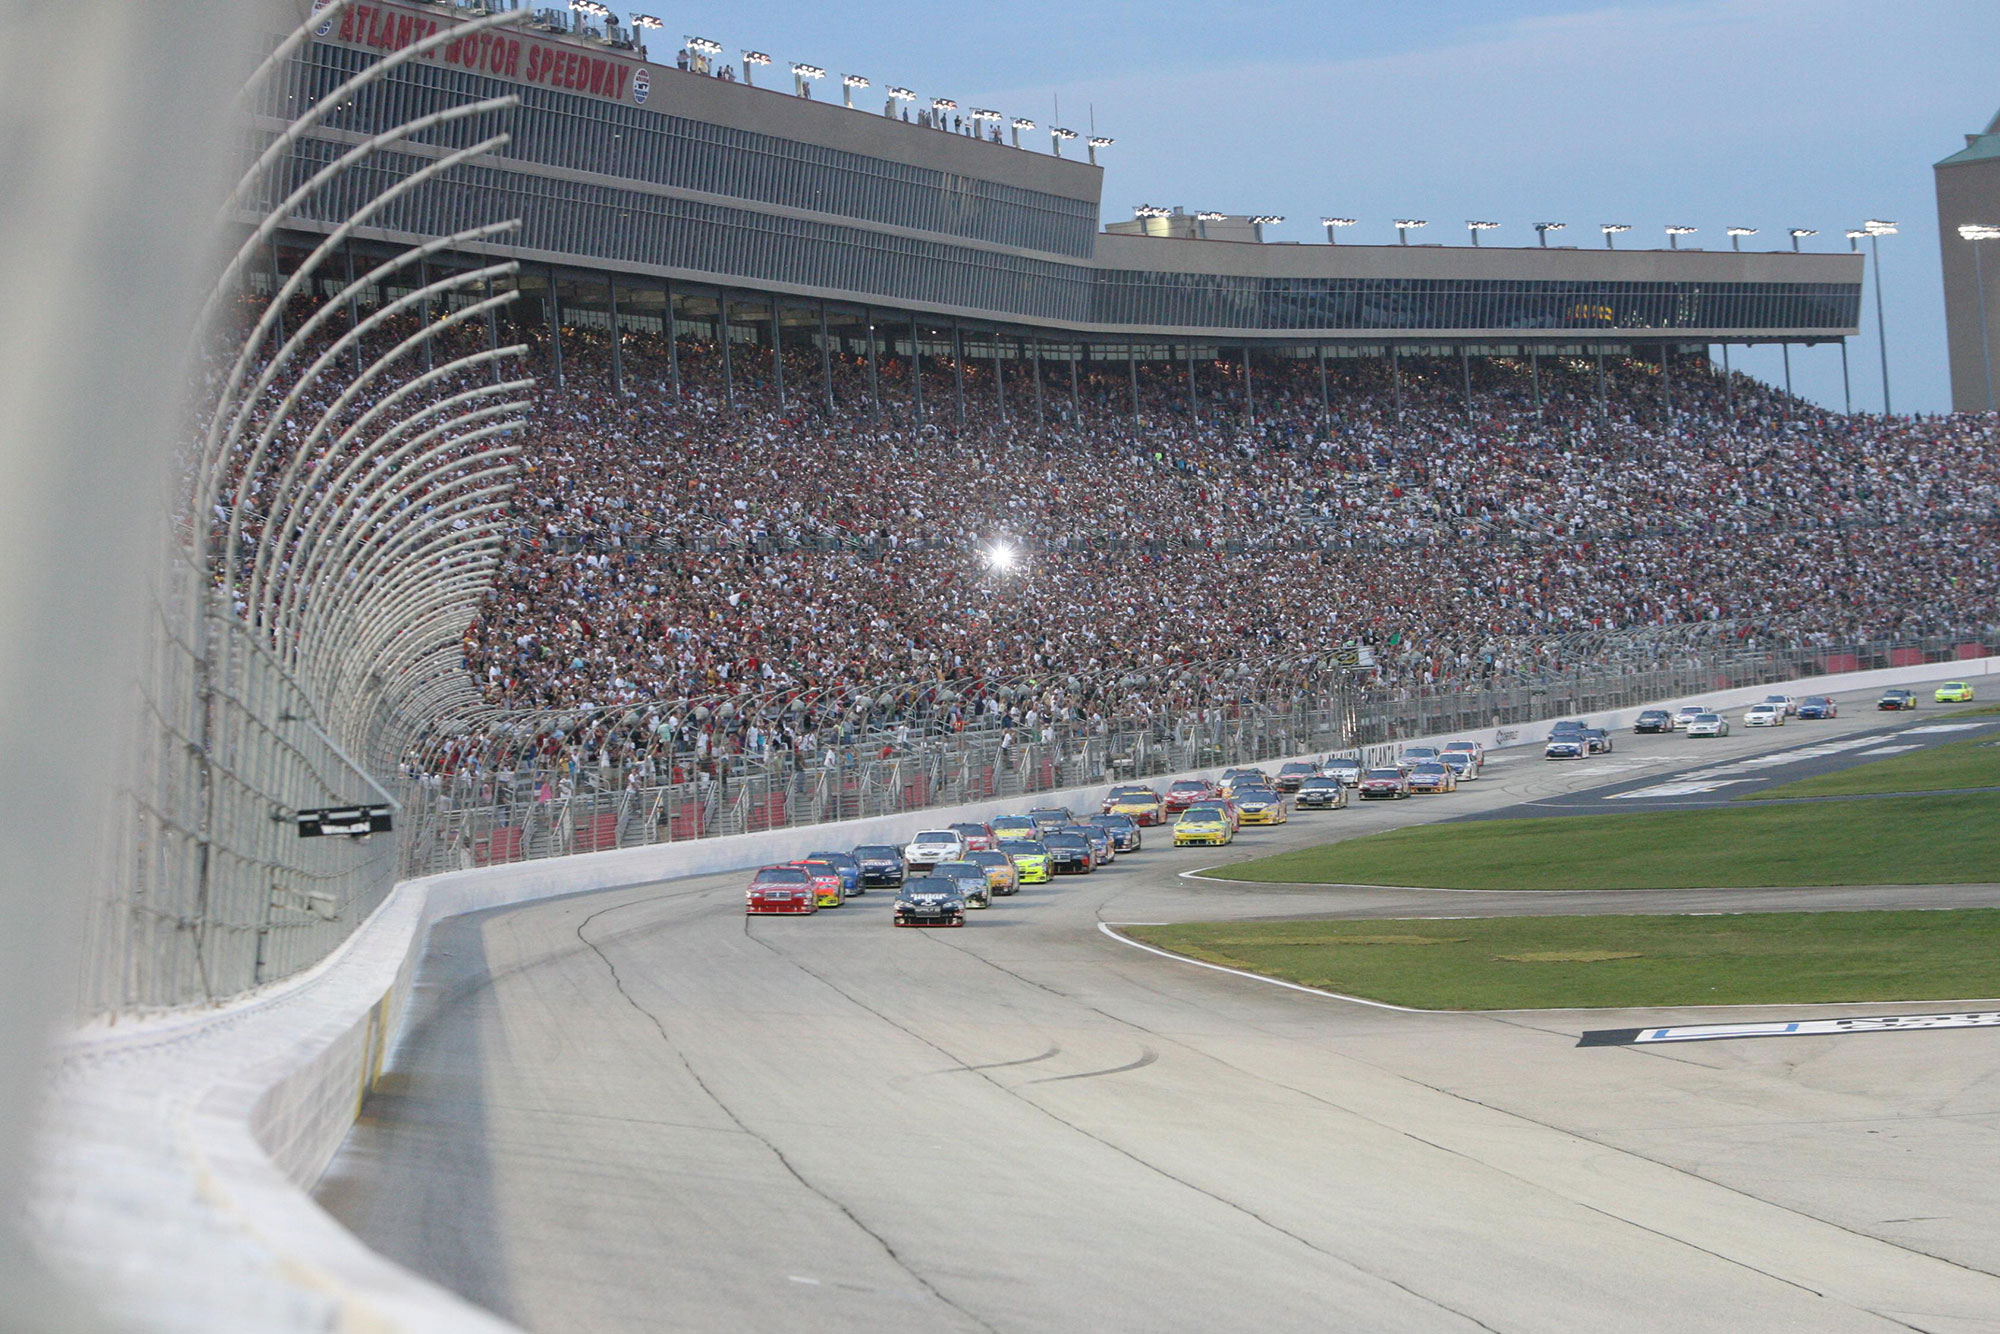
(182, 1148)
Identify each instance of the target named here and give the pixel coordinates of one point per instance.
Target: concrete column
(555, 330)
(617, 341)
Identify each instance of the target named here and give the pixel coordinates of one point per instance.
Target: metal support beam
(957, 376)
(1325, 400)
(1785, 351)
(1396, 378)
(874, 380)
(1603, 409)
(916, 370)
(825, 356)
(555, 331)
(423, 309)
(1846, 386)
(1249, 390)
(778, 351)
(492, 328)
(617, 339)
(999, 383)
(673, 344)
(353, 300)
(1041, 415)
(1535, 374)
(1132, 365)
(1465, 371)
(1075, 391)
(722, 340)
(1667, 381)
(1194, 400)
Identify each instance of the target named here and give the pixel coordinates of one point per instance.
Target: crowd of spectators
(677, 539)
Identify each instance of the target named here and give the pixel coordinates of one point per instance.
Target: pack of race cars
(945, 872)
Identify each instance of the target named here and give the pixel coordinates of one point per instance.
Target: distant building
(1968, 194)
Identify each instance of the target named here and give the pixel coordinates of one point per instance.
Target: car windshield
(1297, 769)
(875, 852)
(1815, 700)
(969, 829)
(931, 884)
(986, 857)
(1203, 813)
(833, 858)
(1111, 821)
(1255, 794)
(783, 875)
(936, 836)
(1430, 768)
(1774, 699)
(1708, 718)
(1066, 841)
(1460, 745)
(1190, 786)
(1318, 784)
(1385, 773)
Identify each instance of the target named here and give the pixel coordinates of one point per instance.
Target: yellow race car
(1030, 858)
(1262, 805)
(1954, 692)
(1203, 825)
(1141, 805)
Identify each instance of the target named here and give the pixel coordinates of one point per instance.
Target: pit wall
(182, 1148)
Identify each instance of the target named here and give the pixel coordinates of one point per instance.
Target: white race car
(1765, 715)
(1708, 724)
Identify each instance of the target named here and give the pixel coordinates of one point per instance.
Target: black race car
(930, 900)
(880, 864)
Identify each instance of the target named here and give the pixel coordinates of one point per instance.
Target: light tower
(1611, 229)
(1476, 228)
(1404, 226)
(848, 83)
(1674, 235)
(1332, 225)
(751, 60)
(1542, 230)
(1096, 142)
(1736, 235)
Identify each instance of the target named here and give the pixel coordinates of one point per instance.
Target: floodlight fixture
(1150, 211)
(647, 21)
(1477, 227)
(1056, 136)
(1800, 232)
(1210, 217)
(1262, 219)
(1542, 230)
(808, 71)
(1331, 224)
(848, 83)
(1020, 123)
(1877, 227)
(1979, 231)
(943, 104)
(1674, 235)
(1611, 229)
(1405, 225)
(1097, 141)
(756, 58)
(702, 46)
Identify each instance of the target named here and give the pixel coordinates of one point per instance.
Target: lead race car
(930, 900)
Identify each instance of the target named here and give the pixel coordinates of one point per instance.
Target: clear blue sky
(1765, 113)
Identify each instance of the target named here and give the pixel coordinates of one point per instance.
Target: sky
(1707, 113)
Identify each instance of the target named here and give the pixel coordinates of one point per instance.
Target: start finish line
(1796, 1028)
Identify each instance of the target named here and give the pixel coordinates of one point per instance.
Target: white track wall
(183, 1147)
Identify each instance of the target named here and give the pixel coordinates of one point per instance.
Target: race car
(780, 889)
(932, 846)
(1818, 706)
(849, 868)
(1187, 792)
(881, 864)
(1566, 743)
(1461, 765)
(1896, 700)
(1204, 825)
(1262, 805)
(1002, 876)
(978, 837)
(1653, 720)
(1433, 777)
(1786, 703)
(1707, 724)
(1688, 713)
(1600, 740)
(1322, 794)
(1764, 715)
(1292, 776)
(1069, 854)
(828, 891)
(1102, 851)
(1472, 748)
(1141, 805)
(1124, 831)
(1953, 692)
(1030, 858)
(970, 877)
(1412, 756)
(1345, 770)
(1014, 826)
(1235, 778)
(1384, 783)
(930, 900)
(1051, 817)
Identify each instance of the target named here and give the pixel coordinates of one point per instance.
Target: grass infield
(1952, 839)
(1590, 962)
(1974, 762)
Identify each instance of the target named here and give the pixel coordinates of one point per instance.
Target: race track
(639, 1110)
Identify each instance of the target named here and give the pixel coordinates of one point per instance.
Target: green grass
(1914, 840)
(1577, 962)
(1974, 762)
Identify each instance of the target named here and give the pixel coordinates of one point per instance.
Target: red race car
(1187, 792)
(781, 889)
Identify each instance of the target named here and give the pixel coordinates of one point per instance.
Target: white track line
(1106, 928)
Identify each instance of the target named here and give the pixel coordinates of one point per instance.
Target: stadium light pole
(1975, 233)
(1263, 220)
(1097, 141)
(1476, 228)
(803, 76)
(751, 60)
(1799, 232)
(1876, 229)
(1542, 230)
(1611, 229)
(1056, 136)
(1332, 225)
(1205, 217)
(1674, 235)
(1019, 124)
(1736, 235)
(848, 83)
(1404, 226)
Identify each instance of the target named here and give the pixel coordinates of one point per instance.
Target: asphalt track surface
(640, 1110)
